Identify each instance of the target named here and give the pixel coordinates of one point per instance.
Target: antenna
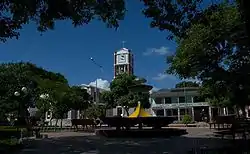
(123, 43)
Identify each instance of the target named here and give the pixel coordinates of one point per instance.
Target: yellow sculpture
(139, 112)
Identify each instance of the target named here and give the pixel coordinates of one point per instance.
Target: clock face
(122, 59)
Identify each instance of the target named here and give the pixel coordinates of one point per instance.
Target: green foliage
(94, 111)
(14, 76)
(212, 46)
(174, 16)
(120, 94)
(107, 98)
(186, 84)
(15, 14)
(187, 119)
(79, 98)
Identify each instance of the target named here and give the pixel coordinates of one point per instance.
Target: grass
(9, 138)
(9, 145)
(7, 132)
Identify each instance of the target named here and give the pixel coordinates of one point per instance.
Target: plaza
(88, 143)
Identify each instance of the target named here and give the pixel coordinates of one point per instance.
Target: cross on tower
(123, 42)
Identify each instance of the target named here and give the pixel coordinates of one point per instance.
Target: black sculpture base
(140, 133)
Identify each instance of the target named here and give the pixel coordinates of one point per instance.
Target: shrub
(187, 119)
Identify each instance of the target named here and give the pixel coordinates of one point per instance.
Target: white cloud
(103, 84)
(162, 76)
(158, 51)
(154, 90)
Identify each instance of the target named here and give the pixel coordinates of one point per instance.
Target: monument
(140, 123)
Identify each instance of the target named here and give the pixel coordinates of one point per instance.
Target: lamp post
(101, 69)
(44, 97)
(23, 90)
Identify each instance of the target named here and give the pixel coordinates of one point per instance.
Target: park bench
(222, 122)
(237, 127)
(85, 123)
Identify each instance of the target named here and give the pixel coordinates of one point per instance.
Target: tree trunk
(55, 124)
(50, 121)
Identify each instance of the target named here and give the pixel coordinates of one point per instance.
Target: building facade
(93, 91)
(123, 62)
(180, 101)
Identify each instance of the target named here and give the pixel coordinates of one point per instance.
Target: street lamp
(18, 94)
(100, 67)
(44, 97)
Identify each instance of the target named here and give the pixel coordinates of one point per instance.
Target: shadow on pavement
(100, 145)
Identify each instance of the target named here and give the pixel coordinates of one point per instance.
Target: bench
(83, 122)
(222, 122)
(239, 127)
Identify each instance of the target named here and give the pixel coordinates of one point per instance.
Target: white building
(177, 102)
(93, 91)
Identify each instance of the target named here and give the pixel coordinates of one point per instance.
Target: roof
(123, 50)
(187, 91)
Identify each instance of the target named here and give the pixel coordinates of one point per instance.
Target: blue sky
(68, 50)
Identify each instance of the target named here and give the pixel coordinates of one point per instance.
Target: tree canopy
(172, 15)
(14, 76)
(120, 95)
(186, 84)
(79, 98)
(46, 90)
(212, 47)
(44, 13)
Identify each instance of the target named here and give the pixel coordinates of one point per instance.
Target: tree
(14, 76)
(94, 111)
(15, 14)
(243, 6)
(79, 98)
(215, 52)
(122, 96)
(186, 84)
(61, 104)
(107, 98)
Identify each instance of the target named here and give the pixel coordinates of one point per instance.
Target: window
(174, 99)
(175, 112)
(198, 99)
(189, 99)
(168, 100)
(160, 112)
(169, 112)
(182, 100)
(159, 100)
(182, 111)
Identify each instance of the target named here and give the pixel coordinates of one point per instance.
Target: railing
(179, 105)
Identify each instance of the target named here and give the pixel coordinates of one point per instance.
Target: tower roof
(123, 50)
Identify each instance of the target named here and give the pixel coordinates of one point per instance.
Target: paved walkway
(87, 143)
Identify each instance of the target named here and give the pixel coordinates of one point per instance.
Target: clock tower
(123, 62)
